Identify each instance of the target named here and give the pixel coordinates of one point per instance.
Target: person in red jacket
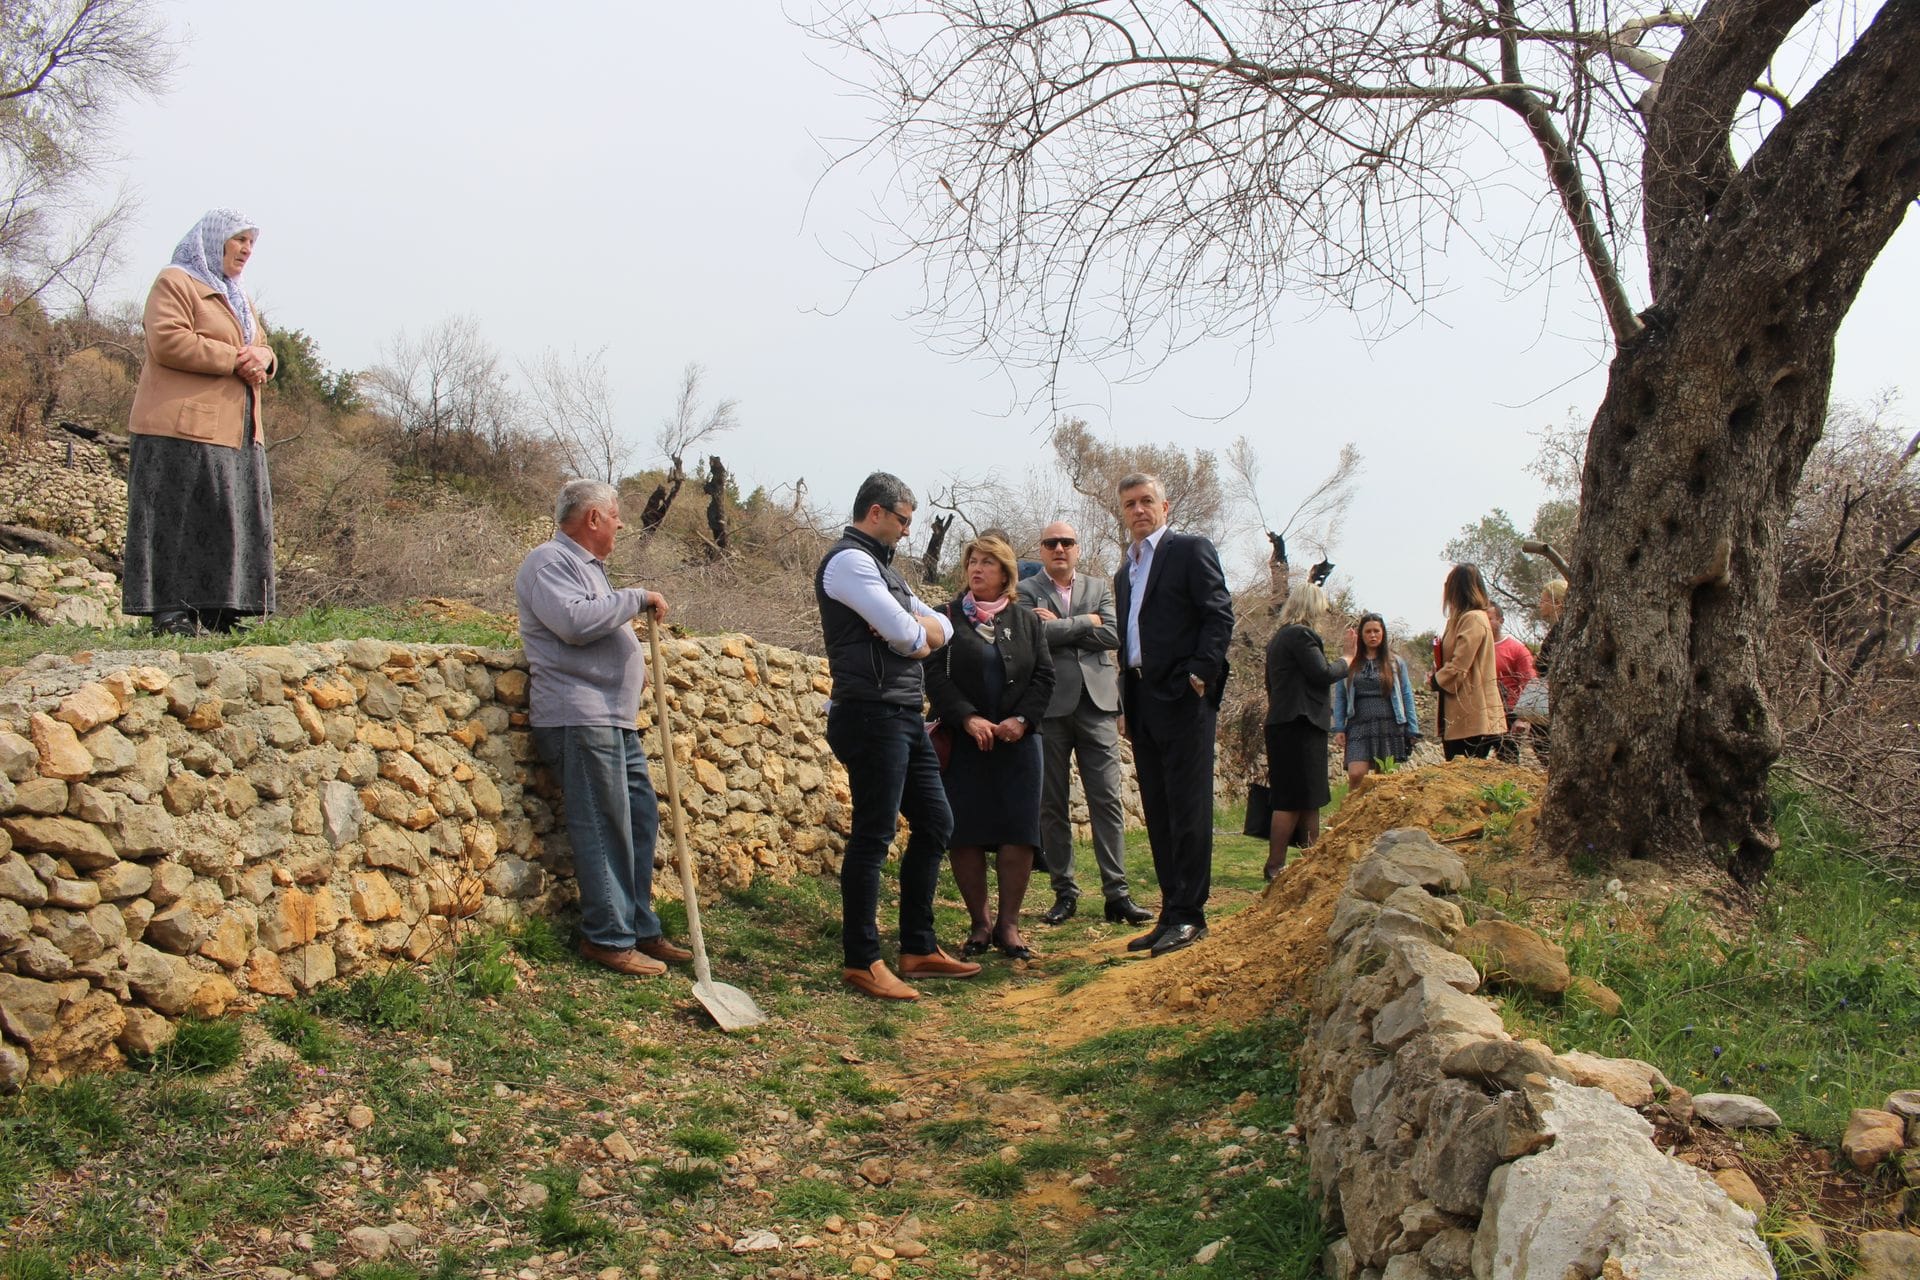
(1512, 667)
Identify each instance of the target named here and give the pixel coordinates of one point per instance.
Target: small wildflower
(1717, 1051)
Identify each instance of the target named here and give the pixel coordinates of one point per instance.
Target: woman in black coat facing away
(989, 688)
(1299, 718)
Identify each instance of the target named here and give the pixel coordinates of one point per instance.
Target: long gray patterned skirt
(199, 527)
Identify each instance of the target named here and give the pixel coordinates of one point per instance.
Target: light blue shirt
(853, 578)
(1139, 566)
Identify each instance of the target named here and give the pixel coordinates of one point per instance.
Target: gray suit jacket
(1084, 656)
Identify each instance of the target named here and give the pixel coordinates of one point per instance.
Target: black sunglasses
(1059, 542)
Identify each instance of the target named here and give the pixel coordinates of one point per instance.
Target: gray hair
(1134, 479)
(578, 496)
(1306, 604)
(883, 488)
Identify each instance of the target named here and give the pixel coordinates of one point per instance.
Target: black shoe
(173, 622)
(1146, 940)
(1124, 910)
(1064, 907)
(1179, 937)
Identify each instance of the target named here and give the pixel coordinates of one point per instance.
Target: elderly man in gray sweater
(587, 677)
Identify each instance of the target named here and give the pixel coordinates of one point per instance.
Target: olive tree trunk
(1663, 732)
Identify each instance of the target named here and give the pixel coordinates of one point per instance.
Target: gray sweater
(586, 661)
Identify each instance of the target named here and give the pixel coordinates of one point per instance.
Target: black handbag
(1259, 821)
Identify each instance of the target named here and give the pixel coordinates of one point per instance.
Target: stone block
(265, 976)
(110, 750)
(1872, 1136)
(1407, 856)
(146, 829)
(82, 844)
(91, 804)
(1734, 1111)
(1602, 1190)
(1431, 1006)
(144, 1032)
(230, 939)
(1633, 1083)
(45, 797)
(165, 982)
(18, 758)
(179, 929)
(288, 921)
(58, 749)
(19, 883)
(309, 966)
(1511, 955)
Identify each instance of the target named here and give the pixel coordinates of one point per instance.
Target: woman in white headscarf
(199, 507)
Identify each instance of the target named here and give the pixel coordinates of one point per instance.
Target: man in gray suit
(1083, 718)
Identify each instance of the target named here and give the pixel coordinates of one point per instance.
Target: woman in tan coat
(199, 506)
(1473, 715)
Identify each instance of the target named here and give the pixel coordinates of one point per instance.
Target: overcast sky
(643, 177)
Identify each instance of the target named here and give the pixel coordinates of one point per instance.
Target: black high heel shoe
(975, 947)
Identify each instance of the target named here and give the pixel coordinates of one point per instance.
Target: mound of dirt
(1264, 958)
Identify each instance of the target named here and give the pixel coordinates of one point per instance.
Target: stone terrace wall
(66, 486)
(72, 592)
(181, 832)
(178, 833)
(1446, 1148)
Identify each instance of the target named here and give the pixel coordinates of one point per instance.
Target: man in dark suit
(1175, 617)
(1083, 720)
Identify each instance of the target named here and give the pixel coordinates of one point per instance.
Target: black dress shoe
(1124, 910)
(1179, 937)
(173, 622)
(1147, 940)
(1064, 907)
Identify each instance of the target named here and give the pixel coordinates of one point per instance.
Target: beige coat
(188, 388)
(1466, 675)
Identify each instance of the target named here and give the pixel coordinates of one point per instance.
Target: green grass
(198, 1046)
(21, 640)
(1815, 1007)
(698, 1141)
(811, 1199)
(994, 1178)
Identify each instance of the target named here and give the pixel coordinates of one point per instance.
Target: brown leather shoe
(626, 961)
(660, 949)
(877, 980)
(937, 965)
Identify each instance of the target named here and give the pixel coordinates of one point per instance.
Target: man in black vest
(1175, 617)
(876, 634)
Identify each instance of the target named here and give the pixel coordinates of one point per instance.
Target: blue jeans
(613, 820)
(891, 772)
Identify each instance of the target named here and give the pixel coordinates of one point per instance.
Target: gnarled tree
(1092, 177)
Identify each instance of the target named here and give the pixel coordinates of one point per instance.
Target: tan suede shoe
(626, 961)
(660, 949)
(877, 980)
(937, 965)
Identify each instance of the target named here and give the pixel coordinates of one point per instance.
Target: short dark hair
(884, 488)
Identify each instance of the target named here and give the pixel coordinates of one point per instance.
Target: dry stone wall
(59, 592)
(179, 833)
(1445, 1148)
(66, 486)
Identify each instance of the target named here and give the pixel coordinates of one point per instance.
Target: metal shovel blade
(732, 1008)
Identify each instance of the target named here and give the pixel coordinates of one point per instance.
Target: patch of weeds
(1808, 1005)
(254, 1184)
(686, 1180)
(993, 1178)
(108, 1225)
(383, 1271)
(31, 1264)
(58, 1126)
(558, 1224)
(810, 1199)
(699, 1141)
(300, 1031)
(1055, 1153)
(539, 941)
(185, 1110)
(1074, 979)
(198, 1046)
(272, 1083)
(481, 967)
(753, 895)
(991, 1229)
(1506, 796)
(856, 1124)
(850, 1086)
(396, 1000)
(948, 1134)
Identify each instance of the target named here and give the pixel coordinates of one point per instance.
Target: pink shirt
(1512, 667)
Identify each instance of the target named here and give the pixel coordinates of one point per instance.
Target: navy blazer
(1299, 677)
(1186, 619)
